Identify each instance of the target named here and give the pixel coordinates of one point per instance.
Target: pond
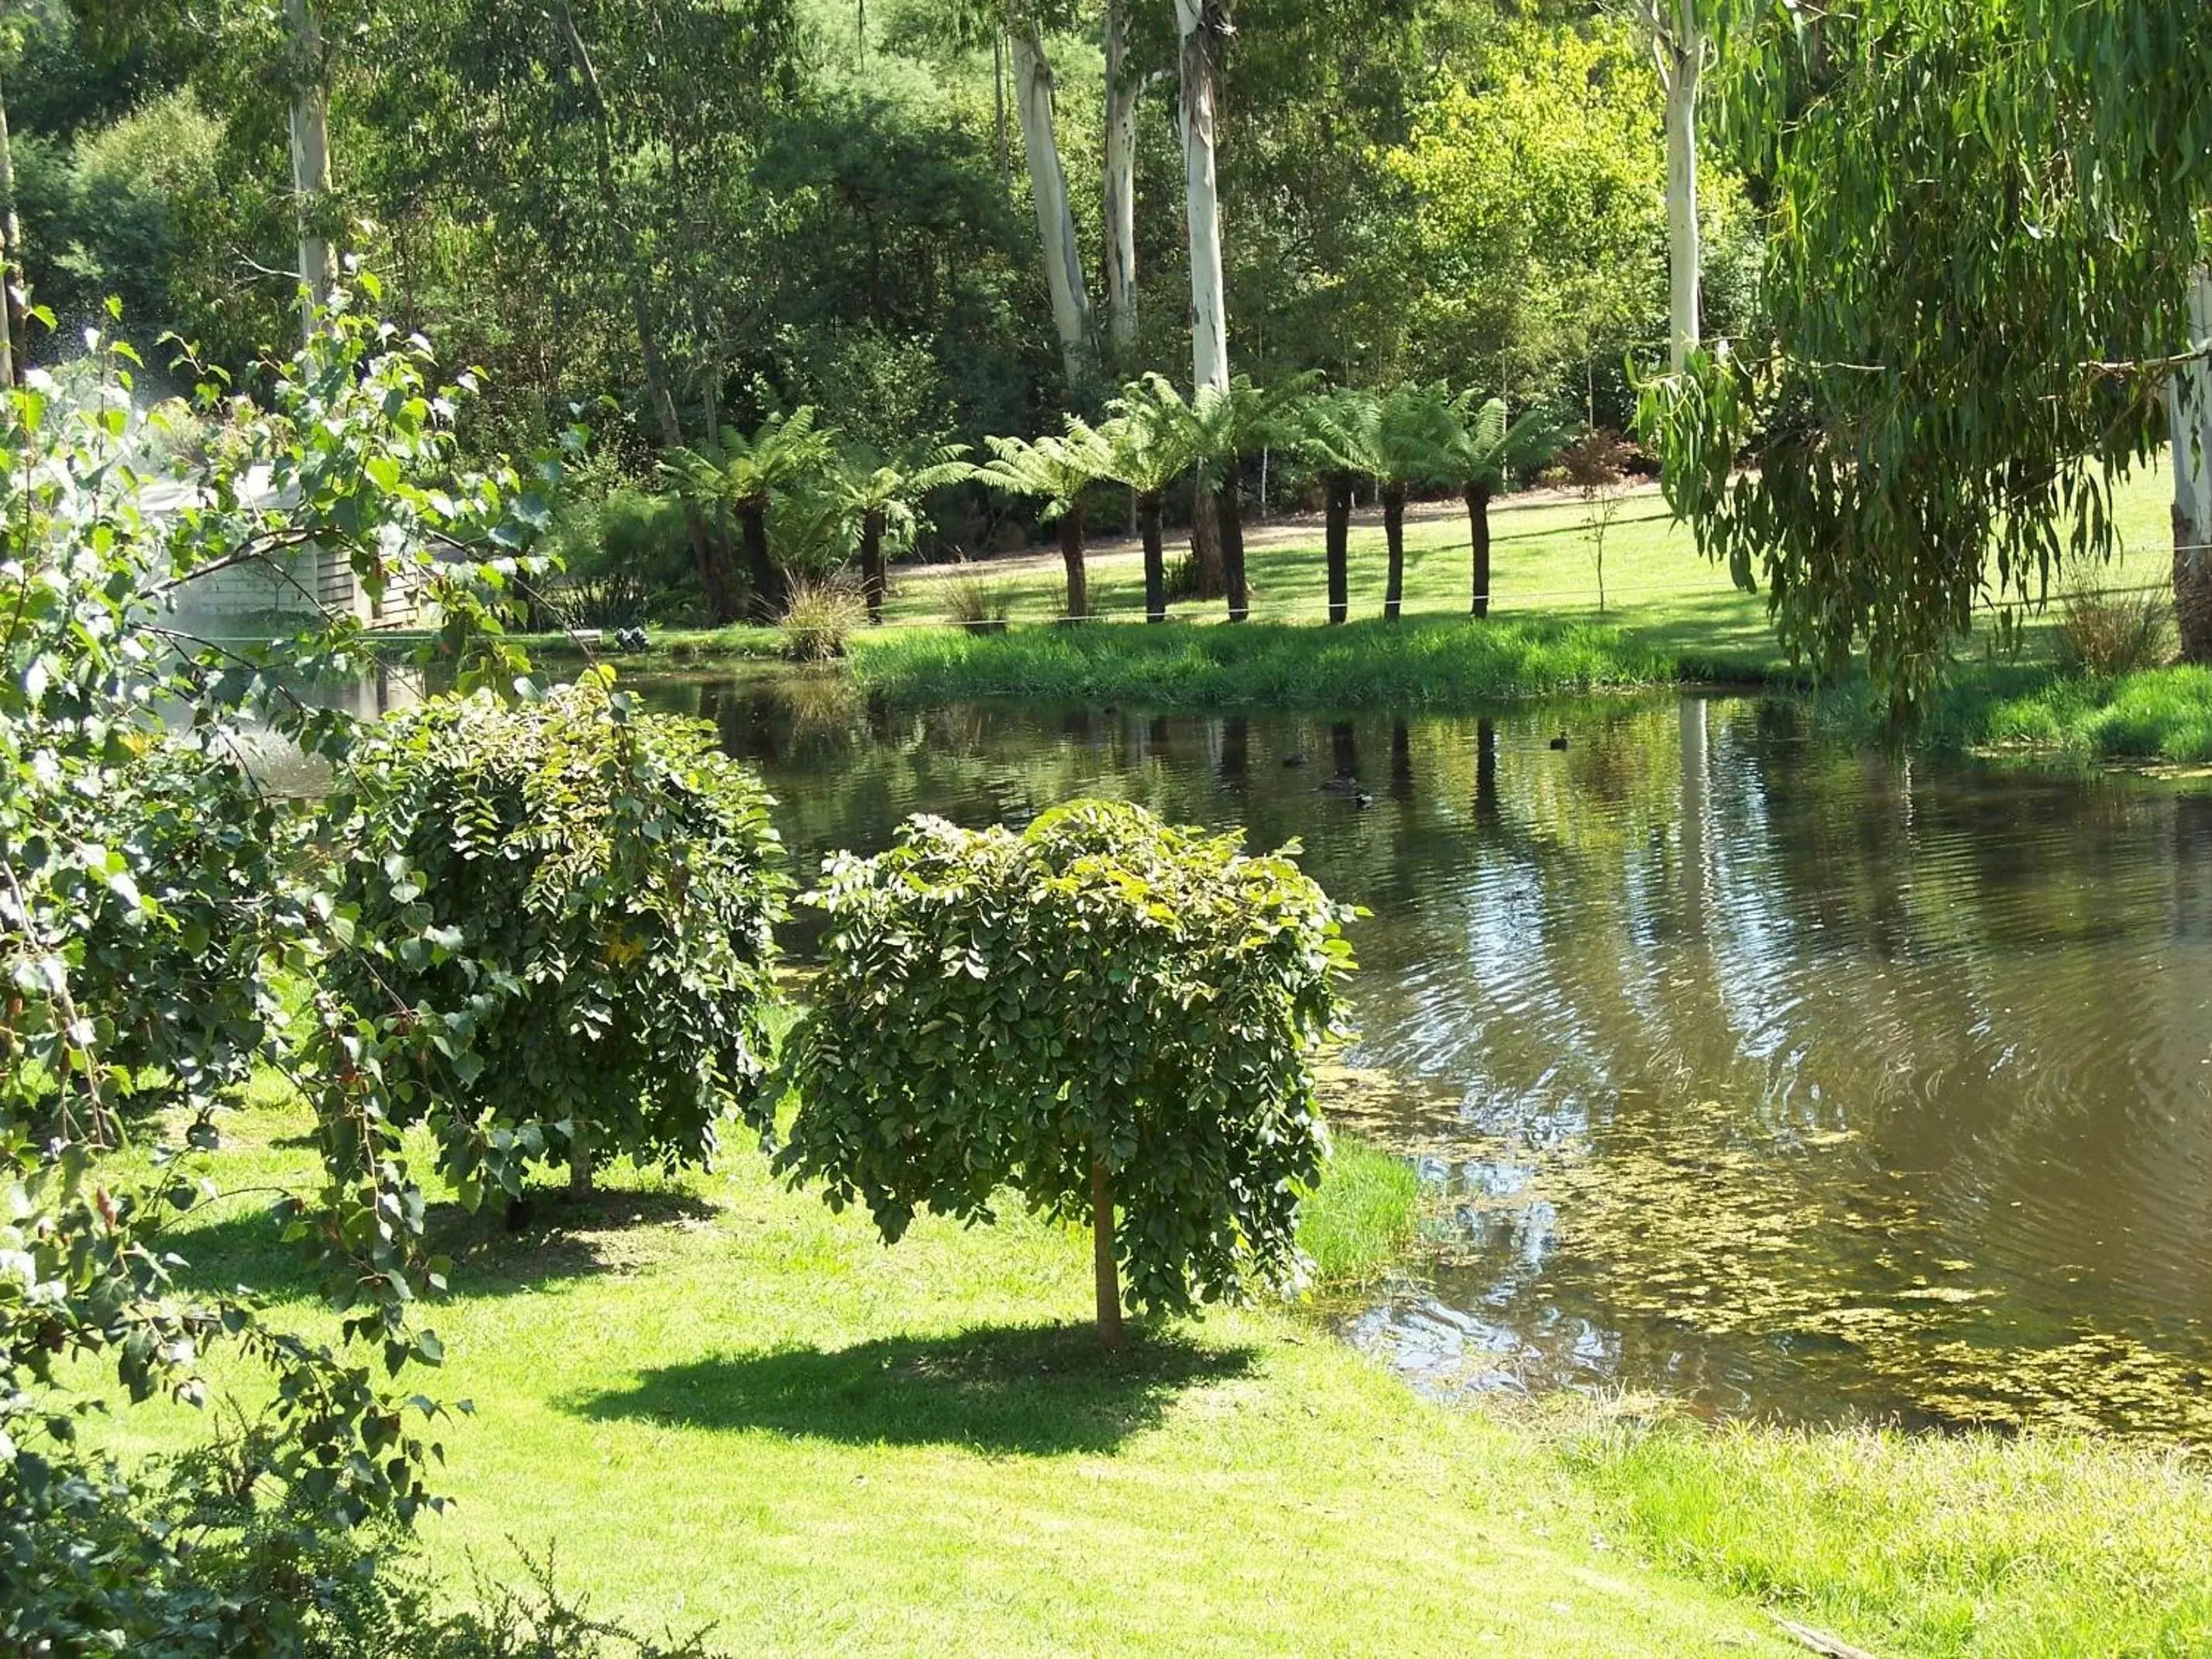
(1779, 1078)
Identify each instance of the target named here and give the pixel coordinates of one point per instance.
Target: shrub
(626, 560)
(821, 615)
(1182, 574)
(1099, 1012)
(574, 899)
(2115, 634)
(976, 605)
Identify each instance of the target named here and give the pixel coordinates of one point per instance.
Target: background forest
(799, 201)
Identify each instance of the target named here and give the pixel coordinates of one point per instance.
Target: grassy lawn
(713, 1400)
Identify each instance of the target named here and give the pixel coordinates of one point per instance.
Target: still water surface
(1779, 1078)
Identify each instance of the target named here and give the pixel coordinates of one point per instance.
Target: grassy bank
(2159, 714)
(1426, 661)
(1668, 617)
(719, 1402)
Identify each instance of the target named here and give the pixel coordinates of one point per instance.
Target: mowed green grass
(714, 1401)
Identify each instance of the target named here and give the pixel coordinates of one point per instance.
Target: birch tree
(1063, 261)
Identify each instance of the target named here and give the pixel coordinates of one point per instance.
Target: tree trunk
(1229, 506)
(1338, 521)
(311, 156)
(1120, 203)
(579, 1162)
(1156, 568)
(871, 562)
(1104, 1270)
(1205, 537)
(998, 100)
(1394, 537)
(15, 339)
(1071, 554)
(1063, 261)
(1681, 62)
(1477, 536)
(1198, 22)
(768, 590)
(2189, 410)
(720, 602)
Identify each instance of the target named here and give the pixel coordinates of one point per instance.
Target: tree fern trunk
(1339, 534)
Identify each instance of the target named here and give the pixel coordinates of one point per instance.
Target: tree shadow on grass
(1040, 1390)
(614, 1232)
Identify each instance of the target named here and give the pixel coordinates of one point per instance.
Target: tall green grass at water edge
(1434, 661)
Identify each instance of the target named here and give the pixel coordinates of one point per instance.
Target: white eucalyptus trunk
(1063, 261)
(1681, 45)
(15, 350)
(2189, 406)
(1120, 203)
(311, 155)
(1197, 21)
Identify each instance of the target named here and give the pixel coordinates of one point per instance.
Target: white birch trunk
(1681, 62)
(1063, 261)
(1196, 22)
(311, 155)
(1120, 203)
(2189, 407)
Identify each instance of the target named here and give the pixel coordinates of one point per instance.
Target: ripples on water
(1781, 1077)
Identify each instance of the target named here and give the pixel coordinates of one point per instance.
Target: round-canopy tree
(1108, 1015)
(574, 899)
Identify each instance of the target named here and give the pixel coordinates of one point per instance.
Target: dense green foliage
(147, 912)
(1103, 1013)
(1984, 219)
(565, 905)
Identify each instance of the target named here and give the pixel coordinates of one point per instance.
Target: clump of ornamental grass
(2118, 633)
(978, 606)
(822, 614)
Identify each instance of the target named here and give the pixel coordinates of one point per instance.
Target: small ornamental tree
(1110, 1016)
(572, 901)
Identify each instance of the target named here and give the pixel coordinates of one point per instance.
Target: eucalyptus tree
(1481, 451)
(1124, 86)
(1681, 45)
(1059, 472)
(883, 499)
(1203, 27)
(1055, 217)
(748, 472)
(1148, 446)
(1985, 291)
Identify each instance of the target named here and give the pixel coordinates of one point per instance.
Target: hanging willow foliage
(1982, 218)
